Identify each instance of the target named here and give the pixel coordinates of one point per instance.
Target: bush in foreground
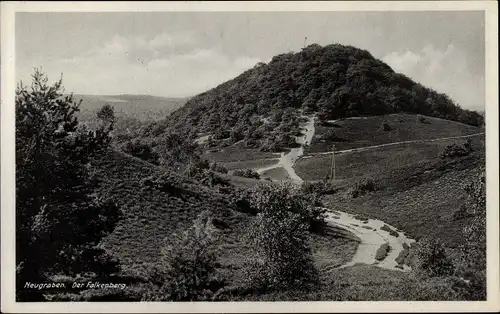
(472, 264)
(432, 260)
(60, 216)
(280, 238)
(188, 264)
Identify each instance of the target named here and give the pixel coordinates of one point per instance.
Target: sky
(179, 54)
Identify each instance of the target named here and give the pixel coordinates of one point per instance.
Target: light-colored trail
(370, 238)
(288, 160)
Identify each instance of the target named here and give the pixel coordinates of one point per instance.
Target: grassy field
(353, 133)
(380, 163)
(424, 210)
(416, 190)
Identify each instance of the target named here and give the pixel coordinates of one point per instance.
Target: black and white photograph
(203, 154)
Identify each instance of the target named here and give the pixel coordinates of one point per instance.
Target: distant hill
(262, 106)
(142, 107)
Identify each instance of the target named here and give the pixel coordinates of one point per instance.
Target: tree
(280, 239)
(60, 220)
(188, 263)
(107, 115)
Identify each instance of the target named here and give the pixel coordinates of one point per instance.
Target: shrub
(283, 257)
(247, 173)
(218, 168)
(432, 260)
(455, 150)
(402, 257)
(213, 179)
(267, 197)
(141, 150)
(423, 120)
(166, 182)
(385, 126)
(188, 264)
(331, 135)
(241, 199)
(221, 134)
(318, 187)
(362, 187)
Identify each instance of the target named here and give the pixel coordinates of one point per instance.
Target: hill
(263, 106)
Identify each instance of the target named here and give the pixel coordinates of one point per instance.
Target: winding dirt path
(288, 160)
(371, 237)
(367, 232)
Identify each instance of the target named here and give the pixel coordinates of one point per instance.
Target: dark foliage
(246, 173)
(385, 126)
(473, 253)
(455, 150)
(141, 150)
(362, 187)
(279, 237)
(60, 219)
(432, 259)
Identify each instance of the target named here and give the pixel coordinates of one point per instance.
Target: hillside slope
(152, 213)
(370, 131)
(262, 106)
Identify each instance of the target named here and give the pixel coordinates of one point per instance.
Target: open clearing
(354, 133)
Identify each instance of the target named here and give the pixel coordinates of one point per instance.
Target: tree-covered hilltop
(335, 81)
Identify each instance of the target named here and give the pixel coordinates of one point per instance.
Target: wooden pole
(334, 163)
(332, 166)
